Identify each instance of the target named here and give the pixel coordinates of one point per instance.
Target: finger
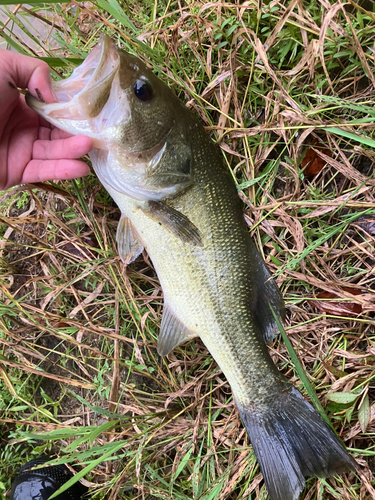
(48, 170)
(44, 133)
(73, 147)
(59, 134)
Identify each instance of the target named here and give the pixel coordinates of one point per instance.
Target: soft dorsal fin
(173, 220)
(172, 332)
(267, 293)
(129, 244)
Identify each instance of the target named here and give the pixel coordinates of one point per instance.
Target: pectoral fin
(267, 294)
(129, 244)
(176, 222)
(172, 332)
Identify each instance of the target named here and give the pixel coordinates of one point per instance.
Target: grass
(80, 377)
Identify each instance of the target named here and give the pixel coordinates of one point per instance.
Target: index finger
(73, 147)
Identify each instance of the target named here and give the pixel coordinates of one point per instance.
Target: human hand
(32, 150)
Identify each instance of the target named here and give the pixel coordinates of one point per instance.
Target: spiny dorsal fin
(129, 244)
(173, 220)
(172, 332)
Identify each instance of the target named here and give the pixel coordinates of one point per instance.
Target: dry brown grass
(79, 330)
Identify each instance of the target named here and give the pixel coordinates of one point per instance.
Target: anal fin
(129, 244)
(172, 332)
(173, 220)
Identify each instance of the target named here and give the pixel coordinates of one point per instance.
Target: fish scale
(217, 310)
(179, 202)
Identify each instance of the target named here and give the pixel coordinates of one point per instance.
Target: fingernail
(38, 93)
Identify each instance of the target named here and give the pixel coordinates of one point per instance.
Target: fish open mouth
(83, 95)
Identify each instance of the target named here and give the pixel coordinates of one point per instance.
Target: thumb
(25, 72)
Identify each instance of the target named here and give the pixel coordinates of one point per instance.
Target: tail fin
(292, 442)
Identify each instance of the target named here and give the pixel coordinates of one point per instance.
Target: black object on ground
(40, 484)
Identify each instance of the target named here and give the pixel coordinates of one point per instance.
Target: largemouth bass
(178, 202)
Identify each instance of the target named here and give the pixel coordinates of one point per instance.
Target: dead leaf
(92, 296)
(347, 309)
(312, 163)
(356, 429)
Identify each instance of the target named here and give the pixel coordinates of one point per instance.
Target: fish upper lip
(84, 78)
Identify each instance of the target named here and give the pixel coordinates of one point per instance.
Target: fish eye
(142, 90)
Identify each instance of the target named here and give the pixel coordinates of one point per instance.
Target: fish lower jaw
(64, 111)
(60, 115)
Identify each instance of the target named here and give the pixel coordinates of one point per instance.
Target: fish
(180, 204)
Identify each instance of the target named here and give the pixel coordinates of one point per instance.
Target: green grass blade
(343, 103)
(60, 62)
(351, 136)
(292, 263)
(113, 8)
(16, 46)
(300, 371)
(111, 449)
